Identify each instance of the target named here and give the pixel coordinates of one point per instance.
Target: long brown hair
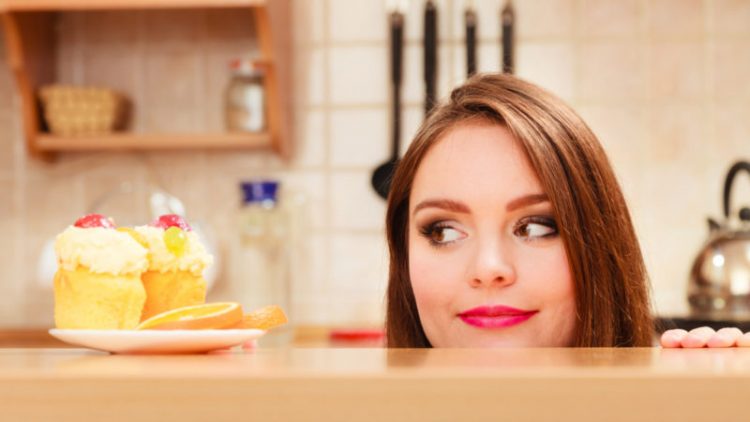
(609, 275)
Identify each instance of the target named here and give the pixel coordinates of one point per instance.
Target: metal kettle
(719, 286)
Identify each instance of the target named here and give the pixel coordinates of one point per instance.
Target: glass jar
(245, 99)
(263, 263)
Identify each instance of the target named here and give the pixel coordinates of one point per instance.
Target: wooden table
(377, 384)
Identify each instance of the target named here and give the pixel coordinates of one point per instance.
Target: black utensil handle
(397, 40)
(507, 17)
(430, 54)
(736, 168)
(471, 42)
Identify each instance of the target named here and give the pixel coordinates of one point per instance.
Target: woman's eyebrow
(445, 204)
(525, 201)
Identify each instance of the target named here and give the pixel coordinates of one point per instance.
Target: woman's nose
(493, 265)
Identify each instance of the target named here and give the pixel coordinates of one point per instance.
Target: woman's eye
(536, 228)
(440, 234)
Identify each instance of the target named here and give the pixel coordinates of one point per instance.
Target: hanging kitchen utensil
(507, 17)
(381, 177)
(719, 284)
(470, 18)
(430, 55)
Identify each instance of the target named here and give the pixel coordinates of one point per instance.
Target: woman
(507, 227)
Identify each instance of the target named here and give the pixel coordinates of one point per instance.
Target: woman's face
(487, 265)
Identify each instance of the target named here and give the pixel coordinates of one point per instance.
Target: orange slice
(198, 317)
(264, 318)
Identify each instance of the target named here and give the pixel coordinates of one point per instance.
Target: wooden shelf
(152, 142)
(31, 41)
(69, 5)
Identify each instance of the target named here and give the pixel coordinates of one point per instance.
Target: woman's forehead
(477, 162)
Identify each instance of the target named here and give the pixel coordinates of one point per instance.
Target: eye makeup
(440, 233)
(536, 227)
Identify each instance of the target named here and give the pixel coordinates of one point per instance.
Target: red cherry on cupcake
(171, 220)
(94, 220)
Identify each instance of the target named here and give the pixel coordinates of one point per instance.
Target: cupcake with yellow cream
(98, 281)
(177, 259)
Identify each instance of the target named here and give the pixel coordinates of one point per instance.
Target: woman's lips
(495, 316)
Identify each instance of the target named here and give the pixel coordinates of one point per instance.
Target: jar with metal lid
(245, 100)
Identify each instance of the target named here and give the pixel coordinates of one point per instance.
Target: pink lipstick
(495, 316)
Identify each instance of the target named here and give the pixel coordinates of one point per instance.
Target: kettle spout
(713, 226)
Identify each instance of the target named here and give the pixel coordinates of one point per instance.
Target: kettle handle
(736, 167)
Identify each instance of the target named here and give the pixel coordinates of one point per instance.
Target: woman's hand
(705, 337)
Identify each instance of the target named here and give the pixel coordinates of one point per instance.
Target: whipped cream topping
(101, 250)
(194, 259)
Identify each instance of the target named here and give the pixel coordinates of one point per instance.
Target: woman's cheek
(433, 276)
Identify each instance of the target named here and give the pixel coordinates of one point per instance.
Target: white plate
(156, 341)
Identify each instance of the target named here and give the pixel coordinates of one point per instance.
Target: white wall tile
(359, 266)
(354, 203)
(623, 132)
(360, 137)
(549, 19)
(412, 120)
(309, 19)
(118, 189)
(676, 18)
(488, 15)
(611, 71)
(310, 283)
(488, 61)
(357, 20)
(668, 260)
(413, 85)
(310, 81)
(608, 19)
(731, 134)
(549, 65)
(731, 17)
(488, 57)
(309, 147)
(358, 75)
(677, 70)
(680, 134)
(306, 195)
(730, 69)
(11, 286)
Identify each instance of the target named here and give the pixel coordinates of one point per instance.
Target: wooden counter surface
(377, 384)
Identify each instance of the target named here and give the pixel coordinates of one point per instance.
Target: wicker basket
(76, 111)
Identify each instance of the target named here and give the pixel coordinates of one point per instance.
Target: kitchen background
(664, 84)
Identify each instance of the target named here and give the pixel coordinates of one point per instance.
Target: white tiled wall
(662, 82)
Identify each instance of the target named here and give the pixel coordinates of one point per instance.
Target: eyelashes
(536, 227)
(442, 233)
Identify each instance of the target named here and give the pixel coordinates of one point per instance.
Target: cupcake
(177, 259)
(98, 282)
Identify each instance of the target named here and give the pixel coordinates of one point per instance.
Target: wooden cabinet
(29, 27)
